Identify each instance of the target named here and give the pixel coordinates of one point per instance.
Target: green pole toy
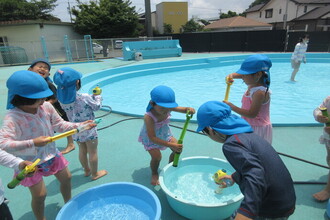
(21, 176)
(183, 132)
(325, 113)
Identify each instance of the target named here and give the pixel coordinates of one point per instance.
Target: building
(237, 23)
(307, 15)
(24, 40)
(173, 13)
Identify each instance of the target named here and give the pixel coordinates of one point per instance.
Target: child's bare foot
(68, 149)
(322, 196)
(155, 179)
(99, 174)
(87, 172)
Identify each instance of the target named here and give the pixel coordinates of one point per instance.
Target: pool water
(291, 102)
(194, 183)
(119, 208)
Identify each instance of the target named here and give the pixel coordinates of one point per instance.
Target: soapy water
(195, 184)
(117, 207)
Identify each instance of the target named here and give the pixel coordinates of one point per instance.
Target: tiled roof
(255, 8)
(316, 13)
(237, 21)
(312, 1)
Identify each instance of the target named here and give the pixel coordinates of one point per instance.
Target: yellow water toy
(229, 82)
(21, 176)
(217, 179)
(97, 90)
(73, 131)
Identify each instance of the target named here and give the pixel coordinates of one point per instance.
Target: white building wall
(293, 11)
(160, 18)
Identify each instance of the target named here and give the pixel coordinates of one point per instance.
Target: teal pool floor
(126, 160)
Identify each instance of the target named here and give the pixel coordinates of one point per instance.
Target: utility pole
(148, 25)
(220, 12)
(285, 17)
(69, 9)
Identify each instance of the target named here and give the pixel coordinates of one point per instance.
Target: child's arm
(150, 125)
(183, 109)
(94, 101)
(257, 100)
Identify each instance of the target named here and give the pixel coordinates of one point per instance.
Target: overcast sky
(196, 8)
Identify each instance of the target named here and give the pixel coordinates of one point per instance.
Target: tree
(106, 18)
(168, 29)
(12, 10)
(191, 26)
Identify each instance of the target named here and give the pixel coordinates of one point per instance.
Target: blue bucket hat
(256, 63)
(65, 79)
(217, 115)
(40, 60)
(27, 84)
(163, 96)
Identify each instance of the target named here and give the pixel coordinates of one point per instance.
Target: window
(269, 13)
(305, 8)
(260, 14)
(280, 11)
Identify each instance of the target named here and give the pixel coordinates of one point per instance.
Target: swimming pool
(127, 89)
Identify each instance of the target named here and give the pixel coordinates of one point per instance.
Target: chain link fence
(62, 51)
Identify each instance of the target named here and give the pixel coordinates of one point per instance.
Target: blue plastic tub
(119, 200)
(190, 189)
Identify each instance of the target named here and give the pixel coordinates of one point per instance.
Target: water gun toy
(73, 131)
(21, 176)
(217, 179)
(325, 113)
(183, 132)
(97, 90)
(229, 82)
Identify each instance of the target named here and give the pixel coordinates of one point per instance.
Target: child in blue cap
(155, 134)
(263, 178)
(26, 133)
(42, 67)
(256, 100)
(80, 107)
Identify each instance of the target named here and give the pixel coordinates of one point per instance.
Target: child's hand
(89, 124)
(176, 147)
(23, 164)
(322, 119)
(191, 110)
(41, 141)
(226, 179)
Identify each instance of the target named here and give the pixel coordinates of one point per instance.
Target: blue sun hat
(163, 96)
(65, 79)
(217, 115)
(256, 63)
(40, 60)
(27, 84)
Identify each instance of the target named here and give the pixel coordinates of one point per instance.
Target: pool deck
(126, 160)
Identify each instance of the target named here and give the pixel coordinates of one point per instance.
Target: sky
(196, 8)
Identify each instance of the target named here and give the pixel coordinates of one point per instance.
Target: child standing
(80, 107)
(298, 55)
(155, 134)
(256, 100)
(324, 195)
(42, 67)
(26, 133)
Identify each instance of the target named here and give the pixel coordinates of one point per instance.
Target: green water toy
(21, 176)
(183, 132)
(325, 113)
